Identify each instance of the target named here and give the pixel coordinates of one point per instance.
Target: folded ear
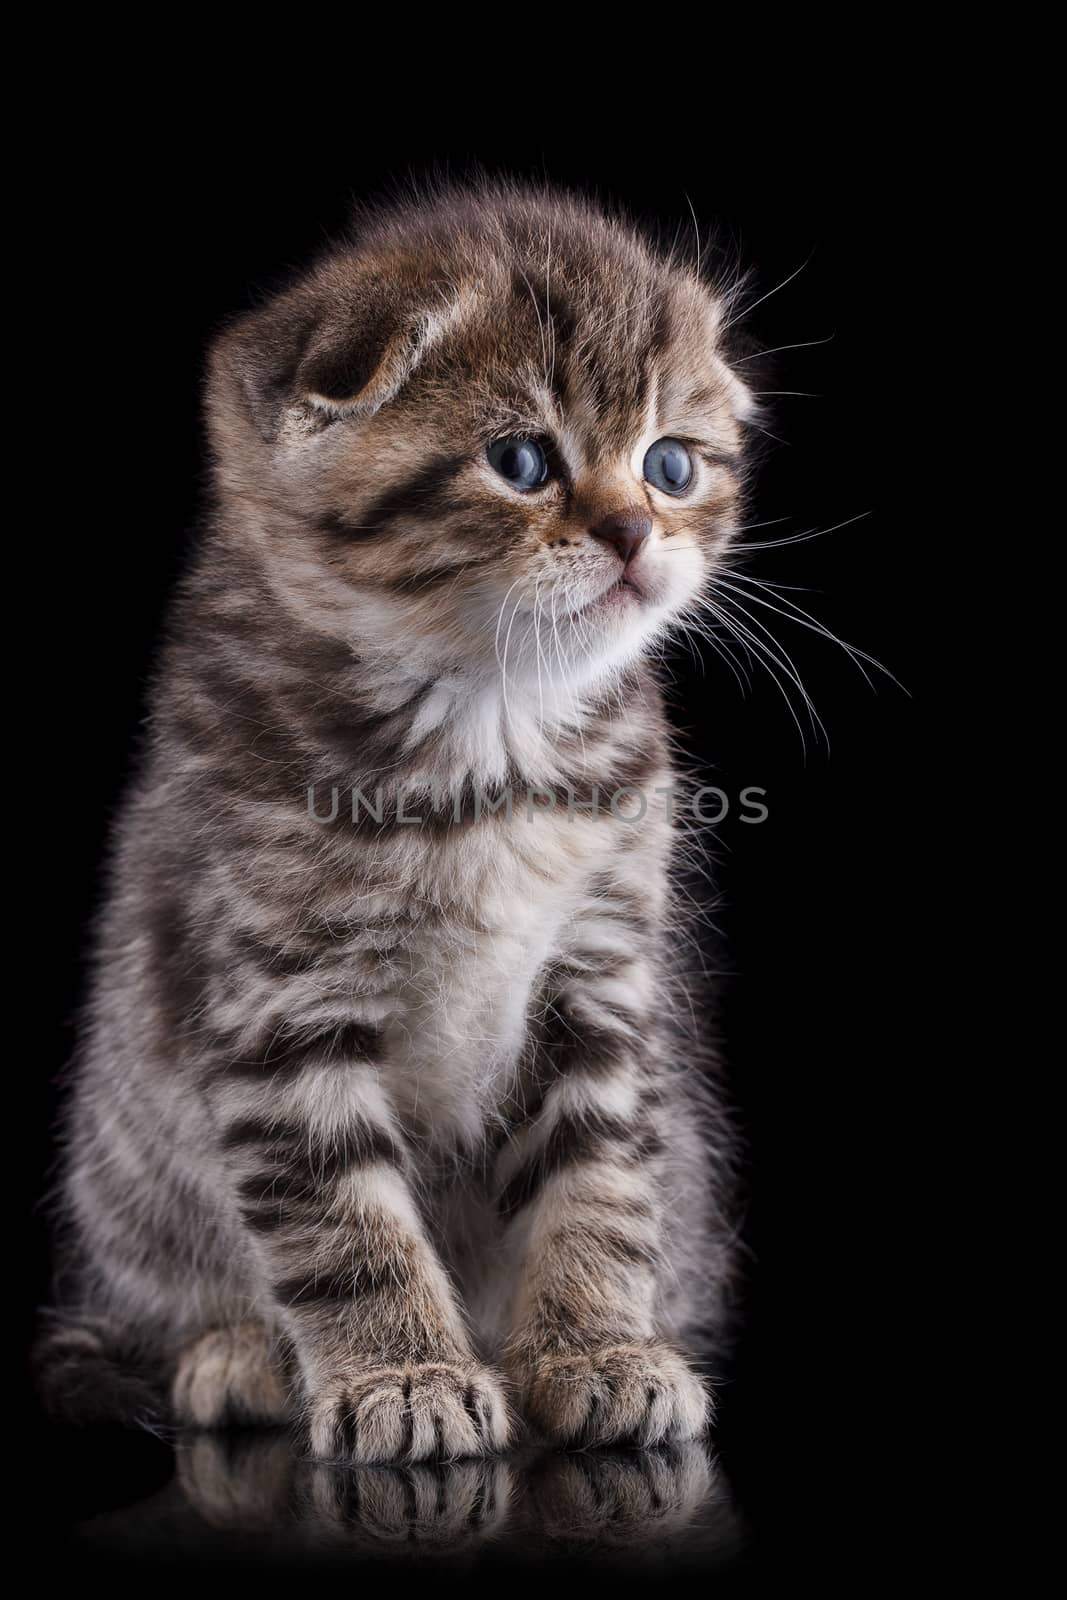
(338, 349)
(252, 371)
(353, 369)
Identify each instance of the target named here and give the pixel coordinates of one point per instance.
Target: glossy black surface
(248, 1499)
(165, 222)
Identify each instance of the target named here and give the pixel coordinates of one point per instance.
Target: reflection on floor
(250, 1498)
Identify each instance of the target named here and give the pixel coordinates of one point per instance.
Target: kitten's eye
(668, 466)
(521, 461)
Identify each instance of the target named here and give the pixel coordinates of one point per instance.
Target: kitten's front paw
(230, 1375)
(412, 1413)
(638, 1394)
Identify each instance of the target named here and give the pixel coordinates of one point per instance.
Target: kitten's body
(365, 1106)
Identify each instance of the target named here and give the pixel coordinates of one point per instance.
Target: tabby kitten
(385, 1116)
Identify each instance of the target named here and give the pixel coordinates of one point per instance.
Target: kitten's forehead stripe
(611, 368)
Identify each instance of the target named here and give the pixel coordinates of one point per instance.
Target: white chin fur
(512, 665)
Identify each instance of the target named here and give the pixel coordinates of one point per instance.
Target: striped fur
(381, 1119)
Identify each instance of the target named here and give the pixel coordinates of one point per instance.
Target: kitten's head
(500, 426)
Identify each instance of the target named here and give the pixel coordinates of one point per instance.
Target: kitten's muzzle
(626, 531)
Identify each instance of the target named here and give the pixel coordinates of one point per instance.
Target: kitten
(385, 1115)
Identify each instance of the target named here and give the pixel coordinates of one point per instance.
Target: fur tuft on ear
(743, 402)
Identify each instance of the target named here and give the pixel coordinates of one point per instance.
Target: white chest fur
(505, 900)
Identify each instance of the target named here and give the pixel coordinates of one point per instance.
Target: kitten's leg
(581, 1200)
(320, 1169)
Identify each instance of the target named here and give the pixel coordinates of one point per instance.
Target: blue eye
(668, 466)
(521, 461)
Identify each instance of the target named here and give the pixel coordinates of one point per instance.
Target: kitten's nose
(626, 530)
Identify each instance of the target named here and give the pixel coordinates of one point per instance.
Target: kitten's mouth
(624, 591)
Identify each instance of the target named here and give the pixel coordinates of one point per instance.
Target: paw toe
(430, 1413)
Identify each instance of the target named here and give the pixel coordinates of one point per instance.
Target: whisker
(764, 653)
(744, 682)
(801, 538)
(748, 310)
(804, 344)
(798, 615)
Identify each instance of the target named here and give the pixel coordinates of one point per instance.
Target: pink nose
(625, 530)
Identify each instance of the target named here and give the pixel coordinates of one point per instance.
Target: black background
(820, 905)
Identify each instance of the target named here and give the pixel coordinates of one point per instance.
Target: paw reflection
(617, 1497)
(535, 1504)
(447, 1506)
(237, 1481)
